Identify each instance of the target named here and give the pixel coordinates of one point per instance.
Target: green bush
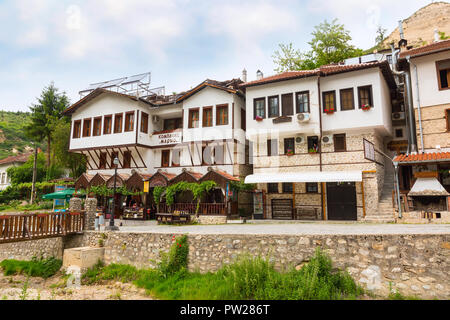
(43, 268)
(176, 260)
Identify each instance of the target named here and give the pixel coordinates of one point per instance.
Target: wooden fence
(191, 208)
(37, 226)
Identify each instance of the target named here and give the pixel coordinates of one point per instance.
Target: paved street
(295, 229)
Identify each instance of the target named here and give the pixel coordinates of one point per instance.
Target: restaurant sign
(173, 137)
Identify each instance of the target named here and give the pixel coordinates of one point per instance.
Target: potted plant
(290, 152)
(312, 150)
(366, 107)
(259, 119)
(329, 111)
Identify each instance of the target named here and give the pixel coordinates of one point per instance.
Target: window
(289, 146)
(313, 144)
(176, 156)
(347, 100)
(302, 100)
(97, 126)
(118, 123)
(206, 155)
(3, 178)
(288, 188)
(102, 164)
(272, 147)
(113, 156)
(272, 187)
(447, 118)
(165, 158)
(193, 118)
(219, 153)
(144, 122)
(274, 107)
(243, 120)
(107, 124)
(443, 70)
(339, 143)
(312, 187)
(207, 117)
(399, 133)
(129, 121)
(259, 108)
(287, 105)
(222, 115)
(86, 127)
(365, 96)
(173, 124)
(329, 101)
(127, 159)
(76, 129)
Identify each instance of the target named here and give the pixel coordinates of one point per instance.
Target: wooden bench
(173, 218)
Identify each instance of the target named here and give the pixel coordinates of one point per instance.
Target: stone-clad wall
(414, 264)
(434, 127)
(25, 250)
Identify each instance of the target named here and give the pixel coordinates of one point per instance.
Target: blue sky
(182, 42)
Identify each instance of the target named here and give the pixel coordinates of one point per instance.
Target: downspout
(407, 76)
(422, 147)
(320, 123)
(397, 190)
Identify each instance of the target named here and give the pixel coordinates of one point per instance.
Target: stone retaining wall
(25, 250)
(413, 264)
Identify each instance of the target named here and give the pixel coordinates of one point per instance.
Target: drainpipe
(422, 148)
(320, 122)
(397, 190)
(410, 112)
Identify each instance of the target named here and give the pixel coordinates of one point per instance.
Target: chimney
(400, 28)
(437, 38)
(259, 75)
(244, 75)
(403, 43)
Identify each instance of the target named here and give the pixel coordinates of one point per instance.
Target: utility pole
(34, 173)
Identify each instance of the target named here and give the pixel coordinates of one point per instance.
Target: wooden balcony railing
(204, 208)
(37, 226)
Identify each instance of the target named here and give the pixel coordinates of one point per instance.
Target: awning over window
(428, 187)
(297, 177)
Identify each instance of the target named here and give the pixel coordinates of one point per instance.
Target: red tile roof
(226, 175)
(322, 71)
(425, 157)
(20, 158)
(428, 49)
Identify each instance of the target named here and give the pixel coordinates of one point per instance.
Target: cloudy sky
(182, 42)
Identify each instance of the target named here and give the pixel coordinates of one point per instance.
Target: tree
(330, 44)
(75, 162)
(381, 35)
(45, 114)
(24, 173)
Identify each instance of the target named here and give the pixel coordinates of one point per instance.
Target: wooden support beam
(139, 154)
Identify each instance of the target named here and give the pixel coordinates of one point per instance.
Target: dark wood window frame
(164, 154)
(97, 126)
(204, 117)
(110, 117)
(76, 129)
(438, 72)
(118, 115)
(312, 185)
(128, 120)
(87, 120)
(324, 100)
(190, 118)
(288, 187)
(144, 122)
(218, 109)
(447, 119)
(352, 100)
(264, 107)
(270, 151)
(285, 145)
(370, 96)
(297, 105)
(336, 143)
(272, 188)
(277, 113)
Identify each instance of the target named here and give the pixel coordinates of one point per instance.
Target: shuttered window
(347, 100)
(339, 143)
(329, 101)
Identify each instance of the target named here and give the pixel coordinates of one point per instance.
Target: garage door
(282, 209)
(341, 201)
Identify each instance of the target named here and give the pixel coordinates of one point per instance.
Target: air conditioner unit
(155, 119)
(398, 116)
(303, 117)
(300, 139)
(327, 139)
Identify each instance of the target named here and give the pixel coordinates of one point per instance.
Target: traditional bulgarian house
(318, 138)
(424, 179)
(8, 162)
(162, 139)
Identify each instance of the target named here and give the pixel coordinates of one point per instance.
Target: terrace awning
(298, 177)
(428, 187)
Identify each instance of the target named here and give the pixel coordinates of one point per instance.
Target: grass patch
(248, 278)
(43, 268)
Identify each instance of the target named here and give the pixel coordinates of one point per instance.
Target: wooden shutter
(287, 101)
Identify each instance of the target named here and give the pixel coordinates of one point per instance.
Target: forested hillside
(12, 135)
